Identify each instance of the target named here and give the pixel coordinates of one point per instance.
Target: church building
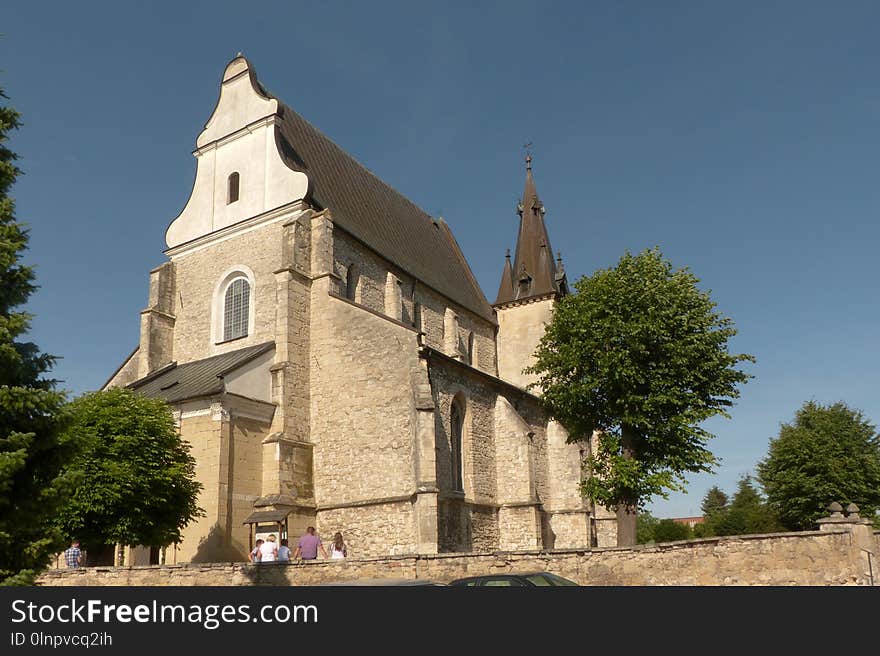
(333, 362)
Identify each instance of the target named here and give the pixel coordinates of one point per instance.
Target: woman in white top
(338, 548)
(269, 550)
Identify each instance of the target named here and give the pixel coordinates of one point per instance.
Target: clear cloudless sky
(739, 137)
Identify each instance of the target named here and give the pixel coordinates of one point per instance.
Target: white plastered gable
(238, 138)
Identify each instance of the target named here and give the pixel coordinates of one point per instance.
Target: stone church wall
(478, 441)
(198, 274)
(229, 466)
(811, 558)
(362, 420)
(372, 274)
(433, 312)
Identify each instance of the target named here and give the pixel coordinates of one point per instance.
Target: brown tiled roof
(194, 379)
(374, 213)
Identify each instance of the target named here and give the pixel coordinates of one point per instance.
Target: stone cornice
(526, 301)
(266, 121)
(275, 215)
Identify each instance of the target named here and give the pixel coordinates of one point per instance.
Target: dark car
(383, 582)
(527, 579)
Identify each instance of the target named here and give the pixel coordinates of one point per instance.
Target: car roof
(382, 582)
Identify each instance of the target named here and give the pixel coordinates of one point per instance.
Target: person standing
(254, 555)
(269, 550)
(338, 548)
(308, 545)
(73, 555)
(284, 551)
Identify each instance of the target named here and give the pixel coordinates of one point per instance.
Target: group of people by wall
(307, 547)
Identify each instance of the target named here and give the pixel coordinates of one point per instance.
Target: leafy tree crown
(828, 453)
(639, 355)
(138, 474)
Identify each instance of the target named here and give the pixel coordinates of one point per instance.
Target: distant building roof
(691, 521)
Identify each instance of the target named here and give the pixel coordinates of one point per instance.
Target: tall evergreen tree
(714, 502)
(747, 513)
(31, 451)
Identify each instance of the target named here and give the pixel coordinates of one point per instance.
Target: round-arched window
(236, 306)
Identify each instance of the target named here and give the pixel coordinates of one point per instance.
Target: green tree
(747, 513)
(828, 453)
(714, 502)
(31, 451)
(650, 529)
(638, 355)
(138, 475)
(668, 530)
(714, 506)
(646, 524)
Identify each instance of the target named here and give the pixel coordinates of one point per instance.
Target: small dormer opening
(525, 285)
(232, 188)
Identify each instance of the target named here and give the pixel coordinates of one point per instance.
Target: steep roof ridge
(399, 245)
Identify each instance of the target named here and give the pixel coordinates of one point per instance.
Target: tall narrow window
(232, 188)
(417, 316)
(236, 304)
(470, 349)
(456, 421)
(351, 282)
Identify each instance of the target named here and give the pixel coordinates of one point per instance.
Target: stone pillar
(322, 244)
(450, 334)
(865, 551)
(287, 465)
(603, 520)
(519, 517)
(157, 321)
(393, 297)
(568, 518)
(425, 507)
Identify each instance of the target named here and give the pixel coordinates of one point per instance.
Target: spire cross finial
(528, 147)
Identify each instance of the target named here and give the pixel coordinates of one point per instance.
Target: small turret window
(232, 188)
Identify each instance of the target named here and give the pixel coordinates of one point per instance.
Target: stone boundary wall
(784, 559)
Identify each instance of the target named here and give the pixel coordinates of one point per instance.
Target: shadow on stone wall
(216, 548)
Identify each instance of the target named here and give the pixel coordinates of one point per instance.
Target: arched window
(232, 188)
(236, 304)
(456, 421)
(351, 282)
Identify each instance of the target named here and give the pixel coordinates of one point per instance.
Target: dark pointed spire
(534, 268)
(505, 289)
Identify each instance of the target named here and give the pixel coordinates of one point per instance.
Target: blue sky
(741, 138)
